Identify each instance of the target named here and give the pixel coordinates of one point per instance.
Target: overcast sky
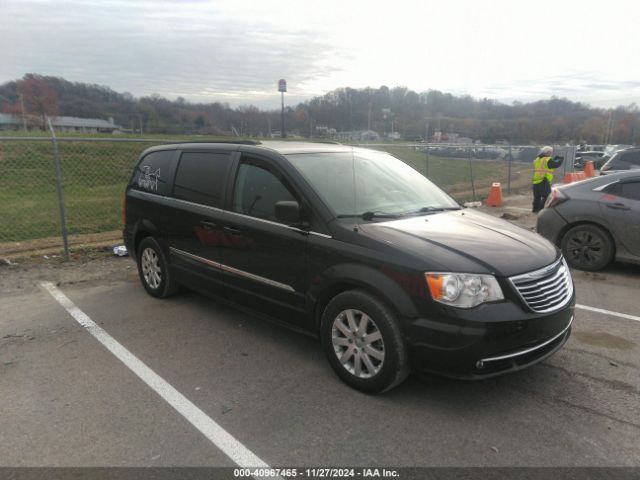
(235, 51)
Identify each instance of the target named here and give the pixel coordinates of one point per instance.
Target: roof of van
(282, 147)
(304, 147)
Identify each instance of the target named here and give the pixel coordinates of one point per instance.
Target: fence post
(473, 186)
(509, 170)
(427, 162)
(571, 156)
(56, 161)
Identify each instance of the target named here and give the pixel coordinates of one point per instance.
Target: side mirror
(287, 212)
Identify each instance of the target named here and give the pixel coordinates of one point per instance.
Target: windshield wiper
(432, 210)
(371, 215)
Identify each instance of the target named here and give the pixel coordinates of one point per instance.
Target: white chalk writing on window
(148, 179)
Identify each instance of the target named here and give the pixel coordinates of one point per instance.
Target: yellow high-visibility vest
(541, 170)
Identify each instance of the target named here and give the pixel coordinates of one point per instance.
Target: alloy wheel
(358, 344)
(151, 268)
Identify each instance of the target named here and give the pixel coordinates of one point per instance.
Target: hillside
(415, 116)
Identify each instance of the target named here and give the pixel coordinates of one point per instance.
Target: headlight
(464, 290)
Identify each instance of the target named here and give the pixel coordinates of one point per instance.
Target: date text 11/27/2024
(315, 472)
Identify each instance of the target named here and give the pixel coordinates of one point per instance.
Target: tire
(153, 269)
(374, 365)
(587, 247)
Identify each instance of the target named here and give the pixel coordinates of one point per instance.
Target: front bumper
(482, 343)
(523, 358)
(549, 224)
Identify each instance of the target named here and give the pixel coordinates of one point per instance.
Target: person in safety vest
(543, 168)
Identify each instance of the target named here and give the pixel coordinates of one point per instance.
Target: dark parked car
(352, 246)
(628, 159)
(595, 221)
(598, 159)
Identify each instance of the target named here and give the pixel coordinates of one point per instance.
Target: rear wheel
(587, 247)
(363, 342)
(153, 269)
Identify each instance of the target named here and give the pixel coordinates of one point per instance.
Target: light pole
(387, 113)
(282, 87)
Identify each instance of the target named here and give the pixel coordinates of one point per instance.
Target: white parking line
(608, 312)
(222, 439)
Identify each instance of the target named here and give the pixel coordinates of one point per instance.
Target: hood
(467, 241)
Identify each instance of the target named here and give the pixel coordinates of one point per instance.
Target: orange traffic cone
(588, 168)
(495, 195)
(568, 178)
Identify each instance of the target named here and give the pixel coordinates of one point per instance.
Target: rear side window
(630, 190)
(200, 177)
(152, 172)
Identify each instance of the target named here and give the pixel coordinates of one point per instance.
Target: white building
(60, 124)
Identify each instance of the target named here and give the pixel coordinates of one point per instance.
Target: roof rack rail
(235, 142)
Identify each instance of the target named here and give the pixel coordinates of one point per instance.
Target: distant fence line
(41, 138)
(90, 175)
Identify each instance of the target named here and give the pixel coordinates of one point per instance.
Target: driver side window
(256, 192)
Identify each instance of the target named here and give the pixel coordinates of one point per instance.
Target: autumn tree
(12, 108)
(39, 98)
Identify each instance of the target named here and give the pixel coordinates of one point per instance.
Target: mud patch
(85, 266)
(601, 339)
(591, 275)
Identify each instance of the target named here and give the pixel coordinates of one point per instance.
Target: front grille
(547, 289)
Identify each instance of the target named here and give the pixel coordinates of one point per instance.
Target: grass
(95, 175)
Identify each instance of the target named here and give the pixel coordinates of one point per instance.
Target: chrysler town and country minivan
(355, 247)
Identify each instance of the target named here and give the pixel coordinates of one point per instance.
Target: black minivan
(355, 247)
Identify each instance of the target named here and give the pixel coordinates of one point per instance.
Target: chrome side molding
(232, 270)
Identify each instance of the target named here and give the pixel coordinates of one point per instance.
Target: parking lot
(203, 384)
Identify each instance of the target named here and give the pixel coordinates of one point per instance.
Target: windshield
(623, 160)
(368, 182)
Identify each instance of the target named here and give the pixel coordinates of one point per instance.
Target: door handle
(208, 225)
(232, 230)
(618, 206)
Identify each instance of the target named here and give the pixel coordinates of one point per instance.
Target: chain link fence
(466, 172)
(94, 173)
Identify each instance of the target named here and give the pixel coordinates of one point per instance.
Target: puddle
(600, 339)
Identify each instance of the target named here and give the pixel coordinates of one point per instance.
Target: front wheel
(587, 247)
(153, 269)
(363, 342)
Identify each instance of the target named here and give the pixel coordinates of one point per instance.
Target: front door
(264, 261)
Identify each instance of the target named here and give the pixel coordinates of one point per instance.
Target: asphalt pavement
(69, 401)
